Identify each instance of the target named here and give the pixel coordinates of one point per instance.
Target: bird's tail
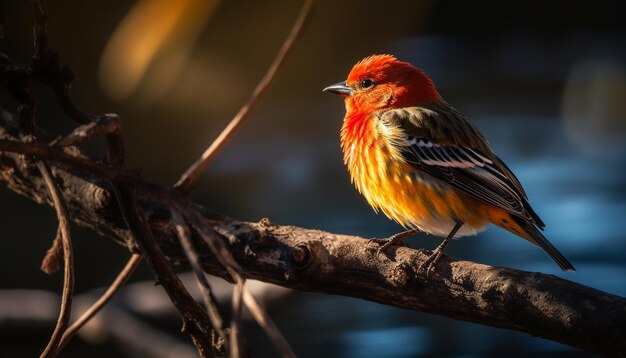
(531, 233)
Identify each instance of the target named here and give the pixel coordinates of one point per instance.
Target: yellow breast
(403, 193)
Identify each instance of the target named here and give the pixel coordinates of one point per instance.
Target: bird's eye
(367, 83)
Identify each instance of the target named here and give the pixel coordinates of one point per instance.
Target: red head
(383, 82)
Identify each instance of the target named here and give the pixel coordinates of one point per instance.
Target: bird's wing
(458, 157)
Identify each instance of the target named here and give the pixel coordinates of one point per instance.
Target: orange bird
(422, 163)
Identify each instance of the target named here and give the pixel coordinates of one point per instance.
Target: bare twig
(226, 260)
(107, 124)
(194, 171)
(195, 319)
(264, 320)
(236, 337)
(25, 111)
(116, 151)
(46, 67)
(119, 281)
(215, 243)
(39, 29)
(203, 284)
(52, 348)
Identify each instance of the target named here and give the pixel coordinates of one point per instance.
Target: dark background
(544, 80)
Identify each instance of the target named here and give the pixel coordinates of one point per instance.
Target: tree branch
(313, 260)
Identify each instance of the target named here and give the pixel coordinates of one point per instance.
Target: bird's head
(382, 82)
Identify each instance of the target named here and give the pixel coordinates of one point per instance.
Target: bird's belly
(416, 200)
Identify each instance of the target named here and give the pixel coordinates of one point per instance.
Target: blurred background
(544, 80)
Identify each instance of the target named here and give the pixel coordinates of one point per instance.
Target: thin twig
(25, 111)
(52, 348)
(48, 69)
(226, 260)
(106, 124)
(119, 281)
(194, 171)
(264, 320)
(203, 284)
(195, 320)
(215, 244)
(236, 336)
(116, 151)
(39, 30)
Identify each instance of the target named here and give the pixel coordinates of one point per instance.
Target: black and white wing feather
(469, 171)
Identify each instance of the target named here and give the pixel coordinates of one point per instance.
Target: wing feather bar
(468, 170)
(434, 154)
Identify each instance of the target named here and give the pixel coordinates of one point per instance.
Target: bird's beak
(339, 88)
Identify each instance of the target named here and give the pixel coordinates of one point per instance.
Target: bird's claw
(431, 262)
(386, 243)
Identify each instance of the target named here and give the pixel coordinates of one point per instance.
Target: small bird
(423, 164)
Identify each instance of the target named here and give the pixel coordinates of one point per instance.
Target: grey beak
(339, 88)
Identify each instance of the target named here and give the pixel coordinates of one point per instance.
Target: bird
(424, 164)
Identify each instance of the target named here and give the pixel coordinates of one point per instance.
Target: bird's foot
(386, 243)
(393, 240)
(431, 262)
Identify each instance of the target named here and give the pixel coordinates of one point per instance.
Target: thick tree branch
(312, 260)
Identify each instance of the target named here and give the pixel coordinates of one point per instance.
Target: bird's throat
(355, 135)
